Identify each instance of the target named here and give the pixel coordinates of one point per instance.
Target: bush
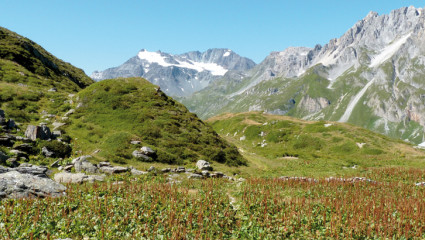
(60, 149)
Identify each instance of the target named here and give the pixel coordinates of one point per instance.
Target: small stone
(166, 170)
(134, 142)
(53, 89)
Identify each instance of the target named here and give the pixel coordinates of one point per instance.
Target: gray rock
(205, 173)
(137, 172)
(84, 165)
(66, 177)
(190, 170)
(42, 132)
(46, 152)
(3, 169)
(195, 176)
(39, 171)
(134, 142)
(57, 125)
(104, 164)
(203, 165)
(55, 164)
(68, 167)
(140, 155)
(71, 111)
(113, 170)
(15, 184)
(166, 170)
(53, 89)
(81, 158)
(180, 169)
(147, 151)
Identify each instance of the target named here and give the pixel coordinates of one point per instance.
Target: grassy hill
(27, 72)
(115, 112)
(280, 145)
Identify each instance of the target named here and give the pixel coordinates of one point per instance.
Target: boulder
(104, 164)
(66, 177)
(204, 165)
(15, 184)
(140, 155)
(85, 165)
(113, 170)
(147, 151)
(42, 132)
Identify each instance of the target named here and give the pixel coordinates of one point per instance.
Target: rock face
(14, 184)
(179, 75)
(204, 165)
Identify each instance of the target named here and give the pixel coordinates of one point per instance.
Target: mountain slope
(112, 113)
(372, 76)
(179, 75)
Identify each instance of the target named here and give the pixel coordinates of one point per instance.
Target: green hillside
(115, 112)
(27, 72)
(280, 145)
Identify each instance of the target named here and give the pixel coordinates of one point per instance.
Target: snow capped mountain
(372, 76)
(179, 75)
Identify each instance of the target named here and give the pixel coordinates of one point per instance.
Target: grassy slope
(27, 71)
(303, 148)
(114, 112)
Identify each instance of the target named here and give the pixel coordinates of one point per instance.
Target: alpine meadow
(322, 142)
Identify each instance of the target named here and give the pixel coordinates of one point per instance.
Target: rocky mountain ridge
(372, 76)
(179, 75)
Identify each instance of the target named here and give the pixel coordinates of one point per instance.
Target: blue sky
(97, 34)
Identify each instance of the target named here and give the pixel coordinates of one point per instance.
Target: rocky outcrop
(14, 184)
(313, 105)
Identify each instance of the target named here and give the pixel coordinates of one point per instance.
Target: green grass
(114, 112)
(302, 148)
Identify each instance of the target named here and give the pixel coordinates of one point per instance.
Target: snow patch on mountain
(354, 102)
(388, 51)
(155, 57)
